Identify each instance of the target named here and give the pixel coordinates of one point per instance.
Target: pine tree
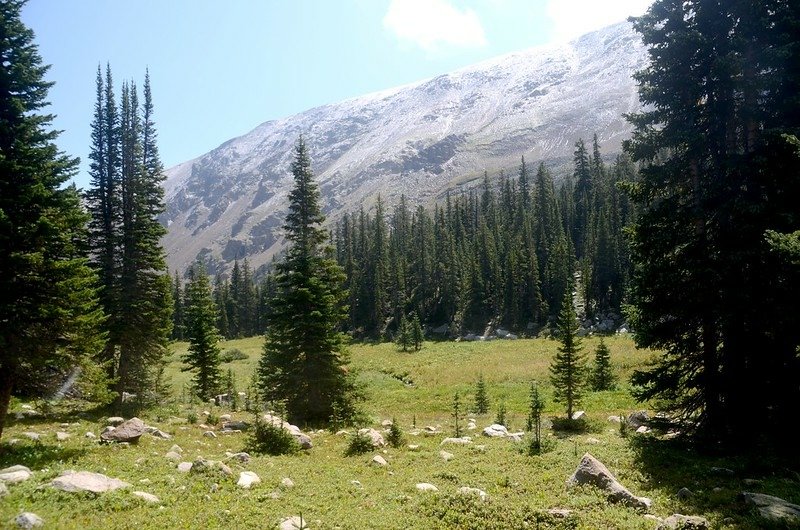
(456, 414)
(534, 423)
(404, 338)
(177, 311)
(49, 315)
(203, 355)
(481, 397)
(602, 377)
(304, 362)
(417, 335)
(568, 371)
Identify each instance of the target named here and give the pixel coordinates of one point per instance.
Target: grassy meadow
(336, 491)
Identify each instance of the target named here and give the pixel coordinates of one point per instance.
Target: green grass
(407, 386)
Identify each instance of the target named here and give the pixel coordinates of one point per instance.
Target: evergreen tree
(49, 315)
(417, 335)
(568, 370)
(481, 397)
(534, 423)
(304, 362)
(602, 377)
(404, 339)
(203, 355)
(177, 311)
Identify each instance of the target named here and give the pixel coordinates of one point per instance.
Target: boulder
(378, 460)
(466, 490)
(172, 455)
(115, 420)
(426, 487)
(62, 436)
(185, 467)
(129, 431)
(28, 520)
(495, 431)
(579, 415)
(247, 479)
(684, 522)
(591, 471)
(637, 419)
(375, 437)
(73, 481)
(464, 440)
(235, 426)
(773, 508)
(147, 497)
(293, 523)
(14, 475)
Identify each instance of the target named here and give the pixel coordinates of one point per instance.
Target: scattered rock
(614, 419)
(593, 441)
(148, 497)
(495, 431)
(684, 493)
(413, 447)
(637, 419)
(684, 522)
(62, 436)
(643, 429)
(471, 426)
(375, 437)
(210, 434)
(446, 456)
(244, 458)
(157, 433)
(561, 513)
(466, 490)
(35, 436)
(90, 435)
(28, 520)
(225, 417)
(386, 423)
(73, 481)
(115, 420)
(172, 455)
(722, 471)
(773, 508)
(356, 483)
(235, 426)
(176, 449)
(185, 467)
(128, 431)
(287, 483)
(579, 415)
(424, 486)
(302, 438)
(247, 479)
(14, 475)
(592, 471)
(293, 523)
(752, 482)
(464, 440)
(379, 460)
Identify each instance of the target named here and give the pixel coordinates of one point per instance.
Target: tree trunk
(6, 385)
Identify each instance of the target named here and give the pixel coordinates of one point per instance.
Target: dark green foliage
(359, 444)
(568, 370)
(534, 422)
(49, 315)
(602, 377)
(500, 418)
(481, 397)
(177, 311)
(721, 164)
(469, 512)
(404, 339)
(417, 334)
(202, 357)
(233, 354)
(269, 439)
(395, 436)
(304, 362)
(456, 415)
(229, 387)
(191, 418)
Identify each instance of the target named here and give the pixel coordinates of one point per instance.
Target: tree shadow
(37, 455)
(565, 427)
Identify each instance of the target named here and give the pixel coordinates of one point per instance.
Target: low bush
(266, 438)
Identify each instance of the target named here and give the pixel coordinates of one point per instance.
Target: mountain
(420, 140)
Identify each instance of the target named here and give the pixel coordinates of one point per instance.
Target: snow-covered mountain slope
(419, 140)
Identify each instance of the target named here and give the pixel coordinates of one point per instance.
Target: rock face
(419, 139)
(592, 471)
(773, 508)
(73, 481)
(127, 431)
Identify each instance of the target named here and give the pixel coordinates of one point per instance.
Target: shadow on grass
(37, 455)
(564, 427)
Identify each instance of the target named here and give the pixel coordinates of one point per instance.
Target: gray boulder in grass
(773, 508)
(127, 431)
(592, 471)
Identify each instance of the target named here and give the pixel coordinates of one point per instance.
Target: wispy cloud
(434, 25)
(572, 18)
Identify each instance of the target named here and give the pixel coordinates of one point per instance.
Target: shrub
(266, 438)
(359, 444)
(500, 419)
(233, 354)
(212, 419)
(192, 417)
(481, 398)
(456, 415)
(395, 436)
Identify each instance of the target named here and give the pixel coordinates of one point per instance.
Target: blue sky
(218, 69)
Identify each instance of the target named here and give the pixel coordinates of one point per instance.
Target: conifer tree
(568, 370)
(404, 339)
(534, 423)
(417, 335)
(602, 377)
(304, 362)
(203, 355)
(178, 306)
(481, 397)
(49, 315)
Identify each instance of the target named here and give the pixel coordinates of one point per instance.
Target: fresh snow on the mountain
(419, 140)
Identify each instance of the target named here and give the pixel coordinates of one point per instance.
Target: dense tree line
(501, 254)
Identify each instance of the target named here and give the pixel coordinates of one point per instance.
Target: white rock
(375, 437)
(172, 455)
(425, 486)
(287, 483)
(210, 434)
(176, 449)
(643, 430)
(62, 436)
(247, 479)
(466, 490)
(3, 489)
(28, 520)
(15, 474)
(293, 523)
(35, 436)
(579, 415)
(413, 447)
(471, 426)
(115, 420)
(379, 460)
(73, 481)
(446, 456)
(225, 417)
(185, 467)
(90, 435)
(464, 440)
(148, 497)
(495, 431)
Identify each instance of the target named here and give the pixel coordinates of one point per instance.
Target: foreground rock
(378, 460)
(247, 479)
(426, 487)
(28, 520)
(73, 481)
(374, 436)
(147, 497)
(684, 522)
(293, 523)
(128, 431)
(15, 474)
(773, 508)
(495, 431)
(592, 471)
(302, 438)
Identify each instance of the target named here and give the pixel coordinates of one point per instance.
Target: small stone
(62, 436)
(210, 434)
(684, 493)
(425, 487)
(287, 483)
(90, 435)
(446, 456)
(773, 508)
(161, 434)
(185, 467)
(293, 523)
(244, 458)
(247, 479)
(495, 431)
(614, 419)
(386, 423)
(176, 449)
(147, 497)
(172, 455)
(35, 436)
(3, 489)
(466, 490)
(464, 440)
(413, 447)
(579, 415)
(15, 474)
(73, 481)
(115, 420)
(356, 483)
(342, 432)
(644, 429)
(225, 417)
(561, 513)
(379, 460)
(684, 522)
(471, 426)
(375, 437)
(593, 441)
(28, 520)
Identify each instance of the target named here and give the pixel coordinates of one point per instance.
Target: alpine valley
(420, 140)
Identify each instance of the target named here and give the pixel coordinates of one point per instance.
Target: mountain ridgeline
(421, 140)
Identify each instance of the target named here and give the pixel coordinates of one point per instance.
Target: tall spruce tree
(203, 356)
(568, 370)
(304, 363)
(720, 164)
(49, 314)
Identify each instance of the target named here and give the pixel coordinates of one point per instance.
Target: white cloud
(434, 24)
(572, 18)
